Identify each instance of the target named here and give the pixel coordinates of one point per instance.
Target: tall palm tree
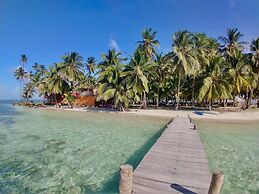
(39, 70)
(114, 88)
(183, 58)
(149, 42)
(136, 72)
(231, 43)
(111, 84)
(90, 65)
(214, 84)
(240, 73)
(160, 73)
(72, 68)
(20, 74)
(23, 60)
(204, 48)
(55, 81)
(254, 48)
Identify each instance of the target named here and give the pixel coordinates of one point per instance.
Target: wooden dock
(176, 163)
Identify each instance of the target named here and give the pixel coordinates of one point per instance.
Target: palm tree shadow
(181, 189)
(113, 185)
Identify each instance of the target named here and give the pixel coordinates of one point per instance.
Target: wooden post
(126, 179)
(216, 182)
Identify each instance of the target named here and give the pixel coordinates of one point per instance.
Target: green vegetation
(199, 70)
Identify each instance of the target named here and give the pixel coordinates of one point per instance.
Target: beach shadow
(181, 189)
(112, 186)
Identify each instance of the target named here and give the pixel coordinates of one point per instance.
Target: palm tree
(111, 84)
(23, 60)
(204, 48)
(183, 58)
(90, 65)
(136, 72)
(240, 73)
(55, 81)
(115, 90)
(231, 43)
(149, 42)
(159, 76)
(20, 74)
(28, 91)
(72, 68)
(214, 84)
(39, 70)
(254, 48)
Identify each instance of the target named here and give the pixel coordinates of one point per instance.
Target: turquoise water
(234, 149)
(49, 151)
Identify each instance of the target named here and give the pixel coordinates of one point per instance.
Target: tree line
(199, 69)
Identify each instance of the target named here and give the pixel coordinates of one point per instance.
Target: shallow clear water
(49, 151)
(234, 149)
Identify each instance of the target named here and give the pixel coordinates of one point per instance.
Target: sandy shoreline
(247, 115)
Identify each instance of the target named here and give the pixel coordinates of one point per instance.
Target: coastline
(209, 116)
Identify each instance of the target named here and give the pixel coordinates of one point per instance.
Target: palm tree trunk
(144, 101)
(178, 94)
(157, 99)
(210, 104)
(193, 84)
(20, 91)
(55, 98)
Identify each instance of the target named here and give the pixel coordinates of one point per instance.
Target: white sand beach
(245, 115)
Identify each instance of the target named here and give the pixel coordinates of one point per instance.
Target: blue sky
(46, 29)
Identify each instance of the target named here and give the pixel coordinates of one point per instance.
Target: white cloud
(113, 44)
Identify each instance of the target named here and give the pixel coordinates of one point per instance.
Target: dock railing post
(216, 182)
(126, 179)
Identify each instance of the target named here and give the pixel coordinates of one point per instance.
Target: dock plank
(176, 163)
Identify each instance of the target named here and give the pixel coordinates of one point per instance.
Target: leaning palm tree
(184, 61)
(214, 84)
(20, 74)
(149, 42)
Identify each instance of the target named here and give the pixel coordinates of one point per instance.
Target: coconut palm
(23, 60)
(231, 43)
(55, 81)
(28, 91)
(254, 48)
(214, 84)
(149, 42)
(136, 72)
(111, 84)
(184, 61)
(39, 70)
(160, 73)
(72, 68)
(204, 48)
(240, 74)
(20, 74)
(90, 65)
